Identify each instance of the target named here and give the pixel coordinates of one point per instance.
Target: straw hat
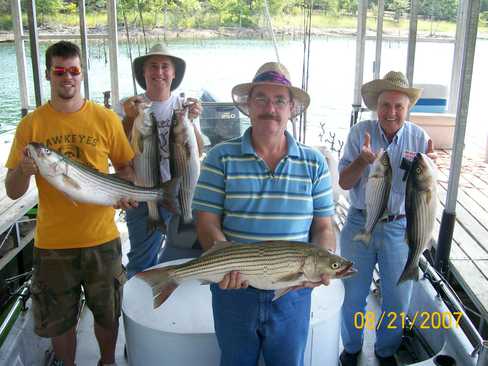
(271, 73)
(392, 81)
(159, 50)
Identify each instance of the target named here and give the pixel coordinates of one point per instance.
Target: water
(218, 65)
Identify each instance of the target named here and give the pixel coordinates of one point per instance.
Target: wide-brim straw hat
(392, 81)
(271, 73)
(159, 50)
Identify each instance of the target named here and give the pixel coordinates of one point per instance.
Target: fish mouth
(346, 272)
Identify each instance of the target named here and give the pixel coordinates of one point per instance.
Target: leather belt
(392, 218)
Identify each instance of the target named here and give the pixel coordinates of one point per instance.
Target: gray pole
(34, 46)
(20, 53)
(457, 56)
(379, 39)
(360, 46)
(448, 217)
(113, 49)
(412, 40)
(84, 47)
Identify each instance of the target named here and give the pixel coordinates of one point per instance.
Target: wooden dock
(469, 251)
(10, 213)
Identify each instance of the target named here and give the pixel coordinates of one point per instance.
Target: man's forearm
(323, 233)
(16, 183)
(351, 174)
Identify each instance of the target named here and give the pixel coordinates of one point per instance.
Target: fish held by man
(377, 193)
(84, 184)
(420, 210)
(144, 141)
(184, 160)
(269, 265)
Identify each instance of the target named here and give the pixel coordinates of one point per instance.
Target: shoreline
(47, 33)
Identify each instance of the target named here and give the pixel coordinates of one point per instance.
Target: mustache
(269, 116)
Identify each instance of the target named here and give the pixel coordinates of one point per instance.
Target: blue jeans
(247, 323)
(144, 244)
(389, 249)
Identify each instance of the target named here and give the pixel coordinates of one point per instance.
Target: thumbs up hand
(367, 156)
(430, 150)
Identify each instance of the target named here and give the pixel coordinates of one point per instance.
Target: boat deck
(11, 213)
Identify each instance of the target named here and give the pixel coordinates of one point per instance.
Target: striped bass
(377, 193)
(87, 185)
(269, 265)
(420, 210)
(184, 160)
(144, 141)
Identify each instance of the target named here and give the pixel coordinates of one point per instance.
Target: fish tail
(161, 283)
(170, 193)
(363, 236)
(409, 273)
(156, 225)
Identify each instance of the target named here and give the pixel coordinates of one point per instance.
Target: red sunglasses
(60, 70)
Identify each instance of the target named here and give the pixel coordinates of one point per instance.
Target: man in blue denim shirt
(391, 98)
(261, 186)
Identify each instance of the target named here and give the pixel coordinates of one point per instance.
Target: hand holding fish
(430, 151)
(27, 165)
(195, 108)
(367, 156)
(131, 109)
(125, 203)
(232, 281)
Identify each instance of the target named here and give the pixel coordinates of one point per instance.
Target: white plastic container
(181, 331)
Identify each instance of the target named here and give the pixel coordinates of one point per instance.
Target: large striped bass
(144, 141)
(184, 160)
(420, 210)
(87, 185)
(377, 193)
(271, 265)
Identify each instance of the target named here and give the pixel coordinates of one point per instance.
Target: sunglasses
(60, 70)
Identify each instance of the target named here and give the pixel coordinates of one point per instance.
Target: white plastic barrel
(181, 331)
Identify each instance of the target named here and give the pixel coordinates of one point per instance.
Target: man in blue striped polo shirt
(263, 186)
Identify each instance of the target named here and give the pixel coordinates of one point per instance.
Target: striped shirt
(409, 138)
(257, 204)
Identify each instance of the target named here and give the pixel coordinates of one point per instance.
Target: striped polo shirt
(257, 204)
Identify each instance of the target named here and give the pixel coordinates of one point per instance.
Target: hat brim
(178, 63)
(240, 95)
(372, 90)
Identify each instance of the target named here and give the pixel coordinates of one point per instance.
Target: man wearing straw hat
(391, 98)
(263, 186)
(159, 72)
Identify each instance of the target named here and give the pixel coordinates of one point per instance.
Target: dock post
(483, 356)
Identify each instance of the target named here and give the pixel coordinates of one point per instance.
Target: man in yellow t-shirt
(78, 243)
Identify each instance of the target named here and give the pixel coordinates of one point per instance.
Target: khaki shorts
(57, 280)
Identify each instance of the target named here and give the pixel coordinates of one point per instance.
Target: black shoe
(349, 359)
(386, 361)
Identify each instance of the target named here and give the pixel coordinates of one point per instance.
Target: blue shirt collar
(248, 149)
(397, 136)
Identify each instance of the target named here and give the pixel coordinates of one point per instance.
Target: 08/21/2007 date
(421, 319)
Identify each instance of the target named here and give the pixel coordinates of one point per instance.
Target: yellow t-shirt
(91, 135)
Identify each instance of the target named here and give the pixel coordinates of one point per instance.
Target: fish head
(381, 166)
(49, 162)
(333, 265)
(423, 172)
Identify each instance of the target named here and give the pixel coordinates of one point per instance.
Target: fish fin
(184, 226)
(290, 278)
(156, 225)
(363, 236)
(70, 181)
(161, 283)
(431, 243)
(281, 292)
(409, 274)
(218, 244)
(135, 140)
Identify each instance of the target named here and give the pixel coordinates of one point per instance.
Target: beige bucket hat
(394, 81)
(159, 50)
(271, 73)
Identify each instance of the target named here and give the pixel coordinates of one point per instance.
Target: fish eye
(335, 265)
(418, 171)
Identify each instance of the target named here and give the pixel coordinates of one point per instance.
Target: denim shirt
(409, 138)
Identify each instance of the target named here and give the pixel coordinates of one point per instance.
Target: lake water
(218, 65)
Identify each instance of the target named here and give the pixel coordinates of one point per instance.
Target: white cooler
(181, 331)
